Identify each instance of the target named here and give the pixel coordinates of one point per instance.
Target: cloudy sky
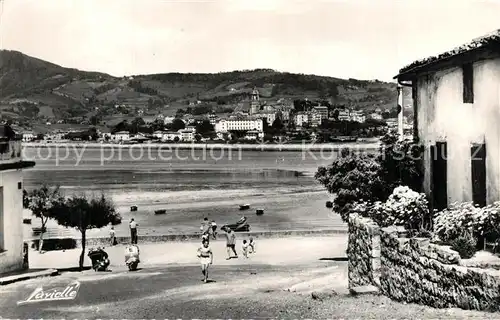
(347, 39)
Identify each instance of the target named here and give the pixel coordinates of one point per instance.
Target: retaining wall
(417, 271)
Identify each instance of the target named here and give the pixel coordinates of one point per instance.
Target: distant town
(285, 121)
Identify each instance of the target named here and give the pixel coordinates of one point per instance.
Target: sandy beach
(189, 186)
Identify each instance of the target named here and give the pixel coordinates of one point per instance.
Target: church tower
(254, 102)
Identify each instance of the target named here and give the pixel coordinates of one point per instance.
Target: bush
(352, 178)
(403, 207)
(465, 245)
(483, 223)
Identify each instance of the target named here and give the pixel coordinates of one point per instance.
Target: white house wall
(442, 116)
(12, 258)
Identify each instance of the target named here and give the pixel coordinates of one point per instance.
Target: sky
(346, 39)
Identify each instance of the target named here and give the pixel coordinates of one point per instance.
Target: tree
(197, 137)
(177, 125)
(352, 177)
(277, 125)
(40, 202)
(204, 128)
(83, 214)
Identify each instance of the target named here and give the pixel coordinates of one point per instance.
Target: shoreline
(214, 146)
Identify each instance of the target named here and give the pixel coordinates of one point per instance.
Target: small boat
(329, 204)
(27, 221)
(133, 208)
(259, 212)
(244, 206)
(162, 211)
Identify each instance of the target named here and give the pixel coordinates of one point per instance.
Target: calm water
(191, 184)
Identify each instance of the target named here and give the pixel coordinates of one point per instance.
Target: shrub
(465, 245)
(403, 207)
(480, 222)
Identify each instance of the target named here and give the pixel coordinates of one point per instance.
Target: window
(439, 175)
(478, 174)
(468, 83)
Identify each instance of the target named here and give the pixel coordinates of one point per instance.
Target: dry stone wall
(417, 271)
(363, 250)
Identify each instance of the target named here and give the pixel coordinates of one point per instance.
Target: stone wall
(417, 271)
(363, 250)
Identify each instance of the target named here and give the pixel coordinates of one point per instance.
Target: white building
(269, 116)
(243, 124)
(28, 136)
(301, 118)
(120, 136)
(11, 203)
(167, 135)
(322, 110)
(344, 115)
(457, 119)
(316, 119)
(213, 119)
(54, 136)
(254, 135)
(357, 116)
(187, 134)
(168, 120)
(376, 116)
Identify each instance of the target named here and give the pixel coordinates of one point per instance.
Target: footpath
(290, 250)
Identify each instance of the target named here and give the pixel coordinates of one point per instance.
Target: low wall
(417, 271)
(69, 243)
(363, 250)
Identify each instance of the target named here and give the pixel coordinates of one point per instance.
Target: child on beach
(206, 258)
(251, 245)
(205, 237)
(245, 248)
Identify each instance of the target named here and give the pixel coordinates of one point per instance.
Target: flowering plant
(404, 207)
(458, 218)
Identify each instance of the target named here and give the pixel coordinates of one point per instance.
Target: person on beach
(251, 245)
(230, 243)
(133, 231)
(245, 248)
(205, 237)
(213, 225)
(205, 229)
(112, 236)
(206, 258)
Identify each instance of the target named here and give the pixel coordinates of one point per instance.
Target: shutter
(478, 174)
(468, 81)
(439, 175)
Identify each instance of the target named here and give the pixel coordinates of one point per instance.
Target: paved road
(239, 291)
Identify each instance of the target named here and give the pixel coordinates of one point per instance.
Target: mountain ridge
(33, 89)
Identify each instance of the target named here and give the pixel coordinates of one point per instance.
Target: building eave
(490, 42)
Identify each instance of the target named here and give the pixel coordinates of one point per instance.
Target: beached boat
(27, 221)
(162, 211)
(244, 206)
(329, 204)
(259, 212)
(133, 208)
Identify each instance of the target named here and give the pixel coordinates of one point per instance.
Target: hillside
(35, 90)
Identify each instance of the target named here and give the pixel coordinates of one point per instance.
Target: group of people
(133, 233)
(205, 253)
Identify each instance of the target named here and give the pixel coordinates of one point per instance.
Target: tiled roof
(492, 37)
